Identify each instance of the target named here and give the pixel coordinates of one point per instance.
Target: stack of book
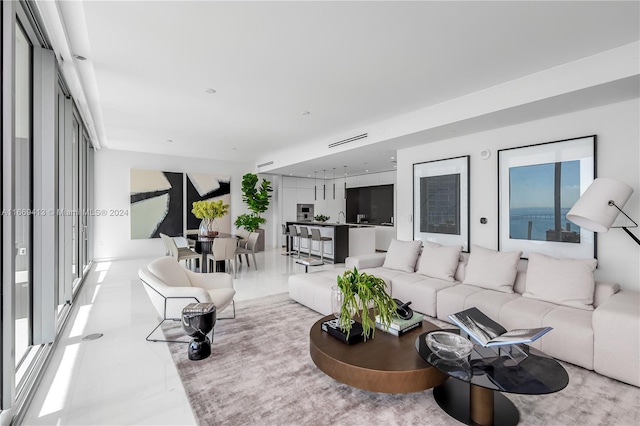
(398, 326)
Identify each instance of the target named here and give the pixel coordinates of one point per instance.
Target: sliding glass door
(23, 146)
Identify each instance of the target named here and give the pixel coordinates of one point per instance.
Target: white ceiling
(349, 64)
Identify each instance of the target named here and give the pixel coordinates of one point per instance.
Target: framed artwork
(207, 187)
(156, 203)
(441, 201)
(537, 186)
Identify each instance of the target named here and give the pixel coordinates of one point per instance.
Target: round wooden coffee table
(386, 363)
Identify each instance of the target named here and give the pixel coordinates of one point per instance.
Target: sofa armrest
(365, 261)
(603, 291)
(616, 337)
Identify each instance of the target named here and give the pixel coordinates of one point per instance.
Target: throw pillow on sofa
(402, 255)
(491, 269)
(439, 261)
(568, 282)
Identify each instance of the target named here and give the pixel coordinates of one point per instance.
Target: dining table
(204, 246)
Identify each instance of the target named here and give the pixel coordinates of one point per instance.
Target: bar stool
(286, 234)
(304, 233)
(293, 233)
(315, 236)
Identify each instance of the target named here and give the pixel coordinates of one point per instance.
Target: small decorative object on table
(209, 211)
(321, 218)
(361, 293)
(448, 345)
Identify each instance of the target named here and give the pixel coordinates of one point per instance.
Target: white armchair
(171, 287)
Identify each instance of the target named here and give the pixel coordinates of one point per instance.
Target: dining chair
(179, 253)
(223, 249)
(252, 243)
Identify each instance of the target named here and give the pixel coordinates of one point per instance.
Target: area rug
(260, 373)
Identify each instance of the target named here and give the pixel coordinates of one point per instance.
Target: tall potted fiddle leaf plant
(257, 196)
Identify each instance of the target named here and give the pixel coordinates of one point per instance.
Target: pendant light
(324, 184)
(345, 182)
(334, 183)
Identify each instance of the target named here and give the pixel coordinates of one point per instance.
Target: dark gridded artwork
(440, 204)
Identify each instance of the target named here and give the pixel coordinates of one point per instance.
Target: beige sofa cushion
(439, 261)
(402, 255)
(568, 282)
(491, 269)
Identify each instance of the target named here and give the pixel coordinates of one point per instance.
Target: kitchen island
(346, 240)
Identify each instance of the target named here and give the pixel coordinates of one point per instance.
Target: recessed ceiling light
(290, 174)
(395, 166)
(393, 158)
(367, 171)
(308, 175)
(80, 57)
(305, 113)
(210, 91)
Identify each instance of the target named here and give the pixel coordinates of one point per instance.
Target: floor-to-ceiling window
(22, 192)
(46, 192)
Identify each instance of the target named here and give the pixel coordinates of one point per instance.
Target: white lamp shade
(592, 210)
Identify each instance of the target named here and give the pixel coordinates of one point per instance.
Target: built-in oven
(305, 212)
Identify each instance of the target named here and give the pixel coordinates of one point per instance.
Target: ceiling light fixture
(324, 185)
(305, 113)
(345, 182)
(170, 140)
(334, 183)
(210, 91)
(80, 57)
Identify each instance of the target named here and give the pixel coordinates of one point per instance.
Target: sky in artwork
(533, 186)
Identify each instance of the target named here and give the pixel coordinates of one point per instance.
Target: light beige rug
(260, 373)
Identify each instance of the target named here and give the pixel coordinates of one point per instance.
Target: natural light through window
(81, 321)
(57, 395)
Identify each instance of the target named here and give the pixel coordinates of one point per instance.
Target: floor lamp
(599, 206)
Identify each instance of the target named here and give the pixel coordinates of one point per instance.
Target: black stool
(198, 320)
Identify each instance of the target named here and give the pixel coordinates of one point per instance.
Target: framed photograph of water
(537, 186)
(441, 201)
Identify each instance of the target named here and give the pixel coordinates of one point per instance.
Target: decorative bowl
(449, 345)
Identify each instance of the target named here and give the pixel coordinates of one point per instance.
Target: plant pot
(260, 243)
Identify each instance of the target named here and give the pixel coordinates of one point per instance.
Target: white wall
(617, 128)
(111, 188)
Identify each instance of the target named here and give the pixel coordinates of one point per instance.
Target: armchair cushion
(169, 271)
(402, 255)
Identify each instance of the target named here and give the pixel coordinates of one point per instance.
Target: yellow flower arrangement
(209, 209)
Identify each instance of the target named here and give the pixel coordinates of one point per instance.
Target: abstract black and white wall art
(157, 203)
(208, 187)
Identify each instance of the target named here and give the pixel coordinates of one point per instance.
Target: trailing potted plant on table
(209, 211)
(361, 292)
(257, 197)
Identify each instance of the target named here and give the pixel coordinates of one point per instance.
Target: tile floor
(121, 379)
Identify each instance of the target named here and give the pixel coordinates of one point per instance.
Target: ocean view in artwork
(535, 195)
(542, 218)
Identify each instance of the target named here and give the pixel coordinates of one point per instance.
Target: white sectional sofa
(595, 325)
